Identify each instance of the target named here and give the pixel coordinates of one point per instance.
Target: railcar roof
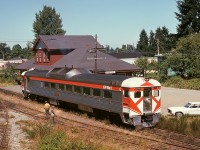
(114, 80)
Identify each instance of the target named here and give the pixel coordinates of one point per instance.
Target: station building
(76, 51)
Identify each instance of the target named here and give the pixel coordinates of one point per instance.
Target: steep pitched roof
(82, 58)
(53, 42)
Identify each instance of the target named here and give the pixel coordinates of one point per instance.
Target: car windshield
(187, 105)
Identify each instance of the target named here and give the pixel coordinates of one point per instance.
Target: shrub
(53, 141)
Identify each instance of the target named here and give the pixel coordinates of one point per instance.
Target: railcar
(137, 100)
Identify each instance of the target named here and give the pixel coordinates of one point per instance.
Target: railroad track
(185, 140)
(154, 138)
(4, 130)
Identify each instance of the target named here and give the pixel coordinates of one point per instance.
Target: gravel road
(177, 97)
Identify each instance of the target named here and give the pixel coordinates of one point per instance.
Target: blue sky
(116, 22)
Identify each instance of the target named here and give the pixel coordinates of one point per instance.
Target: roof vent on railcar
(66, 73)
(77, 71)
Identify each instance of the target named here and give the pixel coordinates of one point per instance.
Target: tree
(142, 44)
(4, 51)
(17, 51)
(143, 63)
(162, 34)
(185, 59)
(27, 51)
(48, 22)
(188, 16)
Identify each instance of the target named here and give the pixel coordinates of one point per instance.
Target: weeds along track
(153, 138)
(4, 129)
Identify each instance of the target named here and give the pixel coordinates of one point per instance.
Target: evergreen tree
(48, 22)
(152, 43)
(188, 16)
(162, 35)
(142, 44)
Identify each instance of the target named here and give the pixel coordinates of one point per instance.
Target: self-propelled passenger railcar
(136, 100)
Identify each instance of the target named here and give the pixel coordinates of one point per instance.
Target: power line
(1, 41)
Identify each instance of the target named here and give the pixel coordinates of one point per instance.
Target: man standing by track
(46, 108)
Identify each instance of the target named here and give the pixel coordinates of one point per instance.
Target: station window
(126, 93)
(68, 87)
(107, 94)
(96, 92)
(137, 94)
(61, 86)
(77, 89)
(86, 91)
(53, 85)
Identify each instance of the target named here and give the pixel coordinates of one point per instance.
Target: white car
(191, 108)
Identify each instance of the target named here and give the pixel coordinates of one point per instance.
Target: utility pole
(95, 71)
(95, 58)
(158, 46)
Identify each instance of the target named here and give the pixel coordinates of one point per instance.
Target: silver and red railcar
(137, 100)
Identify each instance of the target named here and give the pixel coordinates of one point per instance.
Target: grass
(188, 125)
(59, 138)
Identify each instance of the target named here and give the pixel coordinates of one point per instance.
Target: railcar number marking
(107, 87)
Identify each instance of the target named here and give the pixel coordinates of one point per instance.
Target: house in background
(14, 61)
(75, 51)
(131, 57)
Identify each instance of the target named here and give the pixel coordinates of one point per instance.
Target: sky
(115, 22)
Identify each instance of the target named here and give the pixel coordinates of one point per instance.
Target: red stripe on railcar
(113, 88)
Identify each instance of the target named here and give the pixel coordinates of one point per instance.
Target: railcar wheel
(178, 114)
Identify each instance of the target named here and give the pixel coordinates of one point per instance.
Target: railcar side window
(156, 93)
(107, 94)
(61, 86)
(86, 91)
(53, 85)
(96, 92)
(68, 87)
(137, 94)
(77, 89)
(126, 93)
(46, 84)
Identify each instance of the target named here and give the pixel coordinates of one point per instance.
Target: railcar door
(147, 102)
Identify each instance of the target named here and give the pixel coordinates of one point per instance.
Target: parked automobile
(191, 108)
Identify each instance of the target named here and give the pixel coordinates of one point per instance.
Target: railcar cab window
(107, 94)
(126, 93)
(147, 92)
(156, 93)
(96, 92)
(137, 94)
